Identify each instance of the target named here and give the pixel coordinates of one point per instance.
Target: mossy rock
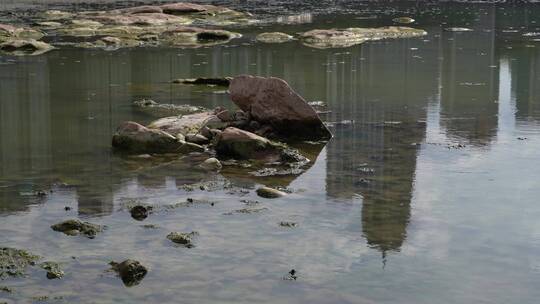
(13, 262)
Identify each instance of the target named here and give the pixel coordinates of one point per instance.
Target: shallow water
(428, 193)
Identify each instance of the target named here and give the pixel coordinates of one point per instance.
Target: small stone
(211, 164)
(288, 224)
(53, 269)
(185, 239)
(268, 192)
(130, 271)
(140, 212)
(76, 227)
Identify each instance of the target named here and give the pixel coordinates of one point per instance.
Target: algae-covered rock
(161, 110)
(274, 37)
(193, 37)
(54, 270)
(268, 192)
(110, 43)
(184, 239)
(130, 271)
(25, 47)
(337, 38)
(13, 262)
(75, 227)
(55, 15)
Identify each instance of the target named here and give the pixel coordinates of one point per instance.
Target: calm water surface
(427, 194)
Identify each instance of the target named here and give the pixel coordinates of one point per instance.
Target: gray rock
(184, 124)
(211, 164)
(268, 192)
(197, 139)
(185, 239)
(274, 37)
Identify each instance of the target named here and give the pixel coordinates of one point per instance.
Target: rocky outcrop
(271, 101)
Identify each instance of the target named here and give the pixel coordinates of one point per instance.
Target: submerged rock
(458, 29)
(224, 82)
(54, 271)
(134, 138)
(130, 271)
(13, 262)
(25, 47)
(337, 38)
(274, 37)
(273, 102)
(162, 110)
(185, 239)
(288, 224)
(403, 20)
(76, 227)
(268, 192)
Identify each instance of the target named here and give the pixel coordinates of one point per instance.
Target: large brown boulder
(239, 144)
(132, 137)
(273, 102)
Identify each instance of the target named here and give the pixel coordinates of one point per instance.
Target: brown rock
(272, 101)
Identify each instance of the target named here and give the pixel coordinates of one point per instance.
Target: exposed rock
(272, 101)
(134, 138)
(274, 37)
(140, 212)
(197, 139)
(205, 81)
(109, 43)
(54, 271)
(185, 239)
(143, 19)
(186, 124)
(403, 20)
(211, 164)
(182, 8)
(25, 47)
(268, 192)
(86, 23)
(162, 110)
(240, 144)
(12, 32)
(130, 271)
(75, 227)
(338, 38)
(13, 262)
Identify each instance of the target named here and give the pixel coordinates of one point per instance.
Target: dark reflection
(469, 82)
(526, 83)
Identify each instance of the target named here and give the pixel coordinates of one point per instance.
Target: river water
(428, 193)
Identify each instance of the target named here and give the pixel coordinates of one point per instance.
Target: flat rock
(22, 47)
(163, 110)
(268, 192)
(274, 37)
(272, 101)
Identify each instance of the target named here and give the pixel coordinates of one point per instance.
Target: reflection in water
(58, 111)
